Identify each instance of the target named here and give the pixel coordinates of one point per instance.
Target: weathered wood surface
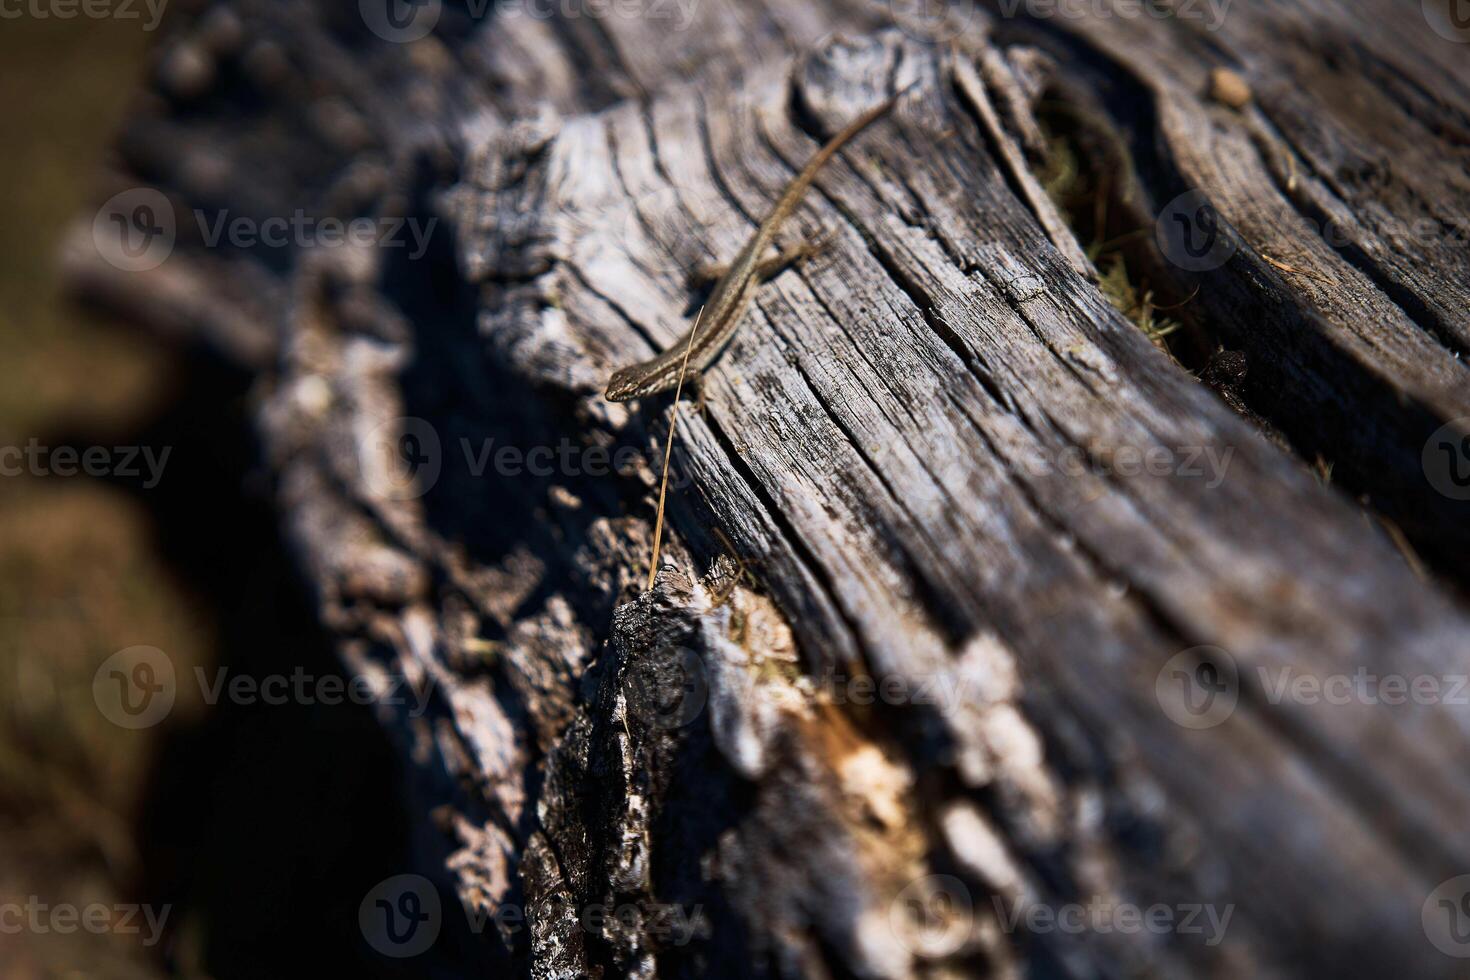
(917, 450)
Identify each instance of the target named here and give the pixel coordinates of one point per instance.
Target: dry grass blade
(663, 484)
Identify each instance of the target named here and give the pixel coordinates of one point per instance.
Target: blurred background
(227, 841)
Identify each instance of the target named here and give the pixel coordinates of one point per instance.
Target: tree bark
(989, 621)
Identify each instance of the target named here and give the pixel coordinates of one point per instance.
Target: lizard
(734, 287)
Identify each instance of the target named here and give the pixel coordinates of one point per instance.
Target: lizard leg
(794, 255)
(707, 273)
(696, 381)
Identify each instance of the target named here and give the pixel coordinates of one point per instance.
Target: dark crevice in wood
(940, 611)
(1404, 92)
(706, 141)
(636, 256)
(1004, 291)
(989, 142)
(609, 44)
(800, 551)
(611, 70)
(612, 304)
(645, 117)
(1113, 189)
(1414, 307)
(923, 303)
(1277, 390)
(510, 279)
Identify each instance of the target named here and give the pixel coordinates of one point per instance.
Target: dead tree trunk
(999, 633)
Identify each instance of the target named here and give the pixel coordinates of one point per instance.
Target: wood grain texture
(949, 523)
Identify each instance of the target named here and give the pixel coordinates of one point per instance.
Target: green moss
(1083, 197)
